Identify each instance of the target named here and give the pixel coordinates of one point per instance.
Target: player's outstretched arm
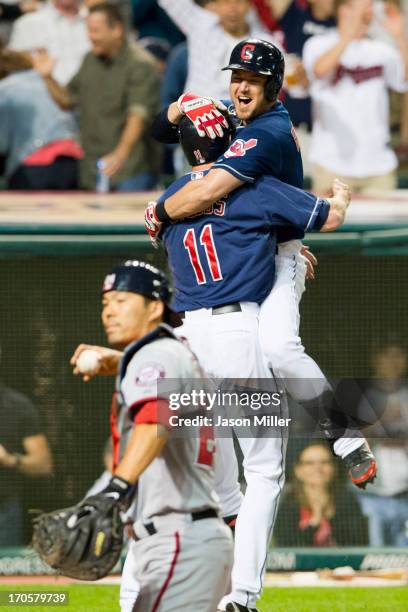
(339, 204)
(103, 362)
(196, 196)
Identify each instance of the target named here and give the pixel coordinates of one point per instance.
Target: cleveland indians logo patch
(240, 147)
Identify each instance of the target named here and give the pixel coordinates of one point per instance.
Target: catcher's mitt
(83, 541)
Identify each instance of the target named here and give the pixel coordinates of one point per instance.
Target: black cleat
(361, 466)
(236, 607)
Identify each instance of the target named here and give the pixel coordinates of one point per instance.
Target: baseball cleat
(236, 607)
(362, 466)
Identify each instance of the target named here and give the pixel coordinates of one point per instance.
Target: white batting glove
(205, 113)
(152, 224)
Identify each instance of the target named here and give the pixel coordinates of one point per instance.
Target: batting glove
(152, 224)
(205, 113)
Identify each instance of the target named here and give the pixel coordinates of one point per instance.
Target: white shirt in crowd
(209, 46)
(351, 134)
(65, 38)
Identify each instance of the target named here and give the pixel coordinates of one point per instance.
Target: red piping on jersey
(170, 574)
(114, 430)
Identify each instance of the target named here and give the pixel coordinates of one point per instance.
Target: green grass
(92, 598)
(334, 599)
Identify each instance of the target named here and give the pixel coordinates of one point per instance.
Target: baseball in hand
(88, 362)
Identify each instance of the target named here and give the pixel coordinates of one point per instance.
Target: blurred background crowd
(81, 81)
(79, 86)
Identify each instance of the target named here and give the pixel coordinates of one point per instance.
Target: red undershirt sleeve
(153, 411)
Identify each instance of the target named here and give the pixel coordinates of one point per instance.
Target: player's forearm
(329, 60)
(337, 215)
(173, 113)
(146, 443)
(190, 200)
(196, 196)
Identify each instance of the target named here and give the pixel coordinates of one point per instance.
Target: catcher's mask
(142, 278)
(262, 57)
(201, 150)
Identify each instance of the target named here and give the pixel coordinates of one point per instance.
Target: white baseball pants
(227, 346)
(185, 566)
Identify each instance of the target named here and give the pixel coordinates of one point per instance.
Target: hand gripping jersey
(181, 478)
(227, 253)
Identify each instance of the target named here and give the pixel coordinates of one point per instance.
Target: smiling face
(247, 91)
(315, 466)
(127, 316)
(106, 39)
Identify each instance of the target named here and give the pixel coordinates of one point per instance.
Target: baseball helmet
(145, 279)
(201, 150)
(262, 57)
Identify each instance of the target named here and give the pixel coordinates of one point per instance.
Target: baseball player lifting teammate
(180, 555)
(213, 258)
(265, 144)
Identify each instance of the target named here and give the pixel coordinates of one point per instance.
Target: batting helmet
(262, 57)
(202, 149)
(142, 278)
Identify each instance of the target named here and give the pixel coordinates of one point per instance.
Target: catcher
(180, 555)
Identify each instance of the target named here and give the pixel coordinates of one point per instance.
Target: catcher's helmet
(201, 150)
(262, 57)
(142, 278)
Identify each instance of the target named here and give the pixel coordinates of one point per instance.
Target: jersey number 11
(207, 241)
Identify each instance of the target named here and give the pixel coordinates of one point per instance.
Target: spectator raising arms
(116, 91)
(211, 36)
(60, 28)
(151, 21)
(298, 21)
(39, 140)
(312, 514)
(350, 74)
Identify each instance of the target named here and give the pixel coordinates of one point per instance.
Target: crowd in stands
(102, 72)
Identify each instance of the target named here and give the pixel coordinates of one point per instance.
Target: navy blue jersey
(267, 146)
(227, 253)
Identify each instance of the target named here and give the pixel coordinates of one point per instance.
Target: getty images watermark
(226, 409)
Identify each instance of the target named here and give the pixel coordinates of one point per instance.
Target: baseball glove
(82, 541)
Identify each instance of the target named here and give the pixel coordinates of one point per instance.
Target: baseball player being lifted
(265, 144)
(226, 337)
(181, 555)
(223, 268)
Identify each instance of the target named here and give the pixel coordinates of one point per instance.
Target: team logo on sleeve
(240, 147)
(149, 373)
